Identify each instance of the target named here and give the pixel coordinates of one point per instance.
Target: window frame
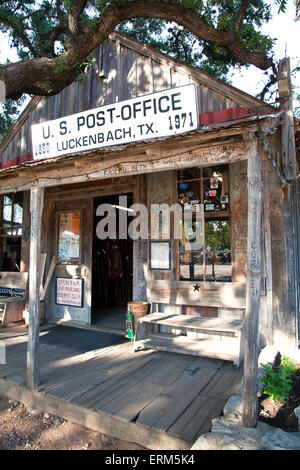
(208, 216)
(11, 227)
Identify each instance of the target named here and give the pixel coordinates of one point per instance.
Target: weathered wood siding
(118, 73)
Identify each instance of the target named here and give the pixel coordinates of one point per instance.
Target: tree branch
(42, 76)
(20, 32)
(241, 14)
(77, 7)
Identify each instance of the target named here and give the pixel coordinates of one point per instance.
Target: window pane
(7, 214)
(191, 247)
(18, 214)
(218, 250)
(69, 236)
(7, 199)
(216, 192)
(18, 199)
(188, 174)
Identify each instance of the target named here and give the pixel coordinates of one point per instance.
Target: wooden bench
(216, 338)
(13, 291)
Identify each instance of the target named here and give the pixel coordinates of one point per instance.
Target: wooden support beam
(250, 406)
(36, 209)
(288, 130)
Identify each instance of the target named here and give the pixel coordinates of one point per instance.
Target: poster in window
(160, 255)
(214, 183)
(69, 291)
(69, 236)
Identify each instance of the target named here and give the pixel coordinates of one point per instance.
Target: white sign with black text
(160, 114)
(69, 292)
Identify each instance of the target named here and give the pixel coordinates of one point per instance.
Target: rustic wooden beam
(287, 130)
(36, 209)
(250, 406)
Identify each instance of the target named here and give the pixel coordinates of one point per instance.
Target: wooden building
(232, 165)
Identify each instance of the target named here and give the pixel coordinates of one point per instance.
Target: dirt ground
(28, 429)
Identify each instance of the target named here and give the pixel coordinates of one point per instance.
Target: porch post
(250, 406)
(36, 209)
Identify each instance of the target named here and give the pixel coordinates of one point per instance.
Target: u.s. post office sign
(160, 114)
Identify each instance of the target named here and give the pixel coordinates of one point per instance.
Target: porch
(157, 399)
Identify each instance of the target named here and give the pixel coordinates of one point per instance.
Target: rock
(226, 441)
(233, 409)
(46, 415)
(58, 421)
(280, 440)
(32, 411)
(297, 413)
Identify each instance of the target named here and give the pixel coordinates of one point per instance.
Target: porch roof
(103, 151)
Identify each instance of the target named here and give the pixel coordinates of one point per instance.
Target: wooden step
(183, 345)
(216, 338)
(218, 326)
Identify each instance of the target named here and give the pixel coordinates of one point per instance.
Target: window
(206, 190)
(69, 237)
(11, 231)
(12, 215)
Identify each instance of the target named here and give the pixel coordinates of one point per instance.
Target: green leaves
(278, 381)
(282, 5)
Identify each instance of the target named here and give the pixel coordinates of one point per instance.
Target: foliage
(217, 235)
(278, 380)
(9, 114)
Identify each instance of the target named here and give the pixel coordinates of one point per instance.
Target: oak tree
(54, 38)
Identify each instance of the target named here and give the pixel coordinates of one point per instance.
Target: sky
(251, 80)
(287, 31)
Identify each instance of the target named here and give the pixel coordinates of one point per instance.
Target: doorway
(112, 266)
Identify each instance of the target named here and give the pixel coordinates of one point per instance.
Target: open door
(112, 269)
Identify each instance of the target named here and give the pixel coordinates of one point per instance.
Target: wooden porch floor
(157, 399)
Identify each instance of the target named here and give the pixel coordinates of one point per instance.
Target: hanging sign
(160, 114)
(69, 291)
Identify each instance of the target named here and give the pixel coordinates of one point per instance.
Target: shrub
(278, 380)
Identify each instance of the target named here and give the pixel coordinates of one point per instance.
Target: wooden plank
(129, 404)
(72, 384)
(15, 280)
(43, 264)
(36, 209)
(117, 385)
(48, 278)
(227, 295)
(250, 405)
(214, 349)
(109, 380)
(100, 422)
(163, 412)
(287, 130)
(197, 418)
(224, 382)
(195, 323)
